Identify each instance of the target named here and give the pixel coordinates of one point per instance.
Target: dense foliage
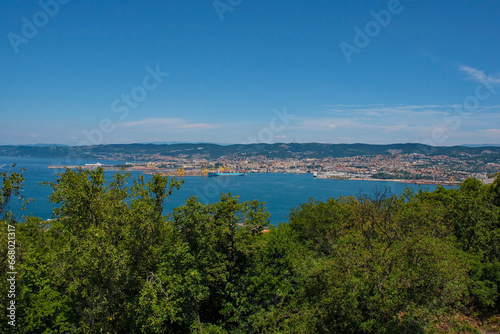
(111, 262)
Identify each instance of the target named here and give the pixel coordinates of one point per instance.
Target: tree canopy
(111, 261)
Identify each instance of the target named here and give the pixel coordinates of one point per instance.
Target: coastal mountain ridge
(215, 151)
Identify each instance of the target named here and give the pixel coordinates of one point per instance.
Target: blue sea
(280, 192)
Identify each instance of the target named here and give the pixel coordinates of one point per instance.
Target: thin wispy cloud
(354, 105)
(374, 111)
(171, 123)
(387, 110)
(390, 122)
(492, 133)
(342, 124)
(401, 106)
(419, 111)
(478, 75)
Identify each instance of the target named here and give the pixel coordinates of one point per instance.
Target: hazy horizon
(228, 144)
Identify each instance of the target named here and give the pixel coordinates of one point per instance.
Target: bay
(280, 192)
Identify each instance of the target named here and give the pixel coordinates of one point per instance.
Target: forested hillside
(112, 262)
(214, 151)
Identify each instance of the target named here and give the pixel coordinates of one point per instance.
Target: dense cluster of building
(414, 167)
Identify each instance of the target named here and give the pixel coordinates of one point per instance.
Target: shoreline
(415, 182)
(165, 173)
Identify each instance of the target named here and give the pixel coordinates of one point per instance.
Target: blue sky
(96, 73)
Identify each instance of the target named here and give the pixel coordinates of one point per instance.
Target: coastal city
(410, 168)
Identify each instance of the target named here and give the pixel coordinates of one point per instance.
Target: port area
(405, 172)
(151, 170)
(154, 169)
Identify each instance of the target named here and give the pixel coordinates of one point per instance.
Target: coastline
(169, 173)
(416, 182)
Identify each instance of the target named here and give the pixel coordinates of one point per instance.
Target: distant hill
(481, 145)
(182, 142)
(214, 151)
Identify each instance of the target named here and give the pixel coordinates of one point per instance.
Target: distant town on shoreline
(416, 163)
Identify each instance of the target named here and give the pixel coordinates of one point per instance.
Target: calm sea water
(281, 192)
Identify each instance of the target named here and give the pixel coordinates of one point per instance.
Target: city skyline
(248, 72)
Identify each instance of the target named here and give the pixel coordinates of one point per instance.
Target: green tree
(475, 221)
(111, 261)
(83, 271)
(10, 190)
(379, 265)
(199, 282)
